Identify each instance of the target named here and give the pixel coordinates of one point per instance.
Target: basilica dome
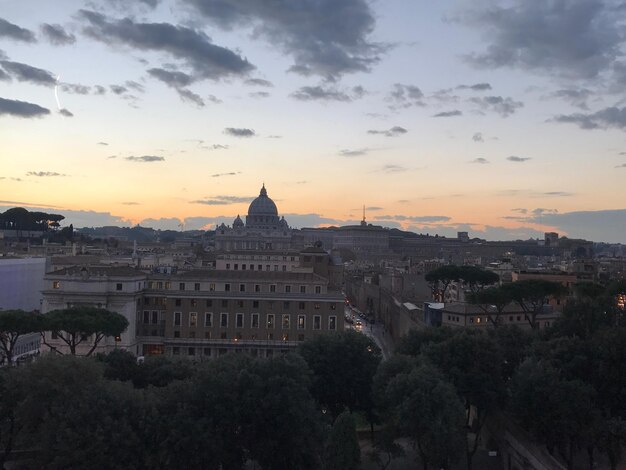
(262, 205)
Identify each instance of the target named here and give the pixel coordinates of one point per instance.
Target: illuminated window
(56, 284)
(332, 323)
(193, 319)
(270, 320)
(301, 322)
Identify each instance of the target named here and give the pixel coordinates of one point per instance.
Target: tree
(477, 278)
(493, 301)
(385, 448)
(532, 294)
(415, 340)
(555, 410)
(74, 326)
(472, 362)
(13, 324)
(342, 450)
(343, 367)
(439, 280)
(427, 409)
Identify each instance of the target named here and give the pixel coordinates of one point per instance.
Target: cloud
(99, 90)
(259, 94)
(607, 118)
(576, 39)
(173, 78)
(311, 93)
(259, 82)
(215, 147)
(600, 225)
(56, 35)
(4, 76)
(13, 31)
(103, 143)
(520, 210)
(145, 159)
(27, 73)
(66, 112)
(623, 165)
(575, 97)
(130, 203)
(190, 96)
(75, 88)
(224, 200)
(118, 89)
(21, 109)
(503, 106)
(452, 113)
(393, 132)
(325, 38)
(405, 96)
(373, 208)
(219, 175)
(11, 178)
(517, 159)
(393, 169)
(475, 87)
(353, 152)
(478, 137)
(239, 132)
(44, 174)
(480, 161)
(194, 48)
(558, 193)
(543, 211)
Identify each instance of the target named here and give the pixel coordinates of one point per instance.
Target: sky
(502, 118)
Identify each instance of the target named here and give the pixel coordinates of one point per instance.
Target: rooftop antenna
(363, 223)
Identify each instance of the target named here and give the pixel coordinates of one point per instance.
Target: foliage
(532, 294)
(22, 219)
(75, 325)
(13, 324)
(342, 448)
(475, 278)
(343, 367)
(415, 340)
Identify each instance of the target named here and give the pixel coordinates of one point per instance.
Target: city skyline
(502, 119)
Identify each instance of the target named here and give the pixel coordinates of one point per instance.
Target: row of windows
(253, 321)
(224, 303)
(208, 352)
(266, 257)
(227, 287)
(259, 267)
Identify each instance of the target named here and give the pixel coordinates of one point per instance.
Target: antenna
(363, 212)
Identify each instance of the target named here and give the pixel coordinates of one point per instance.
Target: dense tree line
(564, 385)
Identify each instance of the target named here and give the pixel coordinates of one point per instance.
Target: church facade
(263, 230)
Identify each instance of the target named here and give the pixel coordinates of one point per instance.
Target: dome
(262, 205)
(238, 223)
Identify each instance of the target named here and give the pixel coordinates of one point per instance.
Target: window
(181, 286)
(316, 306)
(227, 265)
(193, 319)
(317, 322)
(193, 302)
(239, 320)
(224, 303)
(155, 317)
(196, 286)
(227, 287)
(208, 319)
(332, 322)
(301, 322)
(285, 336)
(251, 267)
(301, 305)
(257, 288)
(333, 306)
(146, 316)
(242, 287)
(260, 267)
(56, 284)
(286, 319)
(236, 267)
(318, 289)
(209, 303)
(287, 289)
(284, 267)
(224, 320)
(471, 319)
(177, 316)
(273, 288)
(255, 304)
(286, 305)
(178, 302)
(267, 267)
(255, 320)
(177, 334)
(303, 289)
(243, 267)
(270, 320)
(168, 285)
(159, 285)
(275, 267)
(118, 286)
(212, 287)
(510, 318)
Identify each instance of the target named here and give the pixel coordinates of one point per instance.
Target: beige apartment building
(201, 313)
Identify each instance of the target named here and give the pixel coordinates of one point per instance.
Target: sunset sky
(505, 119)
